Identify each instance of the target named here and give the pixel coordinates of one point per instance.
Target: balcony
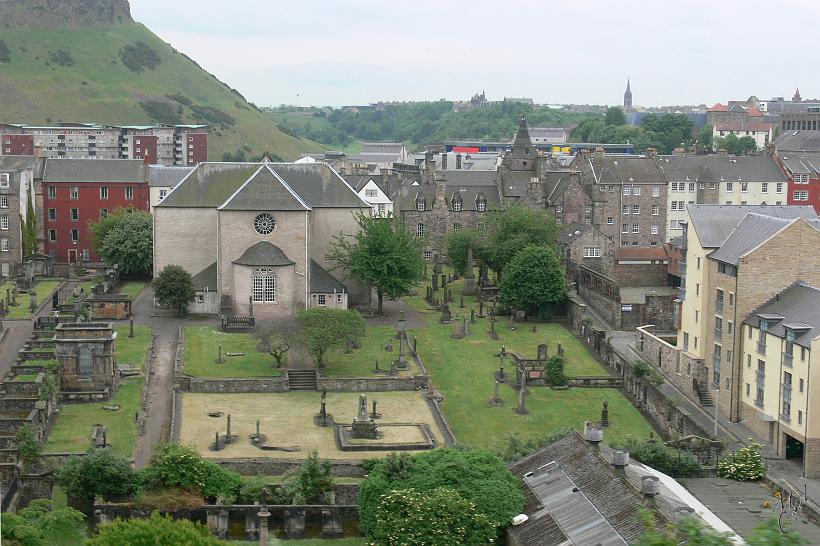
(718, 334)
(788, 359)
(761, 348)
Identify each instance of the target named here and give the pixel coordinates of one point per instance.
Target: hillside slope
(78, 74)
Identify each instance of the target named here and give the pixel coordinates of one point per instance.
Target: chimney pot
(651, 152)
(650, 486)
(620, 459)
(594, 435)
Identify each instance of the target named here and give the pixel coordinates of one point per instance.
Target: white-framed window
(636, 228)
(624, 228)
(801, 178)
(656, 191)
(103, 192)
(4, 180)
(4, 245)
(428, 255)
(456, 227)
(592, 252)
(457, 205)
(627, 190)
(654, 229)
(162, 194)
(75, 235)
(52, 235)
(730, 187)
(673, 224)
(587, 209)
(52, 192)
(691, 186)
(264, 286)
(610, 189)
(764, 187)
(636, 190)
(4, 223)
(52, 214)
(75, 215)
(802, 195)
(481, 205)
(338, 298)
(610, 220)
(5, 269)
(75, 192)
(321, 300)
(625, 210)
(371, 193)
(778, 188)
(420, 205)
(636, 209)
(559, 208)
(655, 210)
(419, 230)
(744, 187)
(129, 192)
(4, 201)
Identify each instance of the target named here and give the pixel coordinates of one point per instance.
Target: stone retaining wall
(236, 384)
(596, 381)
(369, 384)
(261, 466)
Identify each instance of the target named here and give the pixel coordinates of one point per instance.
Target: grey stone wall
(237, 385)
(366, 384)
(35, 486)
(262, 466)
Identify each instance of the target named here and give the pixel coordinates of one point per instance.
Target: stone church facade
(255, 236)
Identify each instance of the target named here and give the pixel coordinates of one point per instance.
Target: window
(760, 377)
(370, 193)
(4, 245)
(744, 187)
(802, 195)
(129, 192)
(655, 210)
(321, 299)
(673, 224)
(559, 208)
(716, 363)
(636, 209)
(456, 227)
(764, 187)
(610, 189)
(264, 286)
(86, 255)
(686, 341)
(654, 229)
(419, 230)
(4, 180)
(75, 215)
(481, 205)
(799, 417)
(730, 327)
(624, 228)
(610, 220)
(428, 255)
(696, 315)
(592, 252)
(103, 213)
(75, 192)
(719, 300)
(730, 187)
(691, 186)
(697, 289)
(4, 201)
(587, 209)
(52, 235)
(103, 192)
(727, 269)
(656, 191)
(636, 190)
(801, 178)
(801, 384)
(711, 185)
(84, 362)
(4, 223)
(52, 214)
(627, 190)
(338, 298)
(636, 228)
(731, 299)
(162, 194)
(264, 223)
(778, 188)
(457, 205)
(75, 235)
(625, 209)
(420, 205)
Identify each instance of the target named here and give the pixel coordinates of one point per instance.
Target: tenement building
(255, 237)
(16, 197)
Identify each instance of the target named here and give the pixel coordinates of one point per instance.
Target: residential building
(371, 193)
(798, 154)
(720, 179)
(735, 111)
(261, 233)
(762, 132)
(382, 154)
(155, 144)
(17, 175)
(79, 191)
(780, 364)
(162, 179)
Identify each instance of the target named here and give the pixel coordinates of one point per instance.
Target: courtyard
(287, 421)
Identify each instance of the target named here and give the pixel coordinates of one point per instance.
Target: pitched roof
(718, 108)
(799, 305)
(321, 281)
(16, 163)
(264, 253)
(717, 168)
(803, 163)
(205, 279)
(641, 253)
(752, 230)
(264, 190)
(95, 170)
(318, 185)
(624, 170)
(569, 233)
(209, 185)
(166, 177)
(469, 185)
(713, 223)
(798, 141)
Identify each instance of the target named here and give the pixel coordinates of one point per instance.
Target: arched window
(264, 286)
(84, 361)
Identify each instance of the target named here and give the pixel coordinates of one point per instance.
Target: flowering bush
(745, 464)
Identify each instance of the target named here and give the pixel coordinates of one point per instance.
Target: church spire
(627, 97)
(797, 97)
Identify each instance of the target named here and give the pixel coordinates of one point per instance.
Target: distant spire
(628, 97)
(522, 125)
(627, 86)
(796, 97)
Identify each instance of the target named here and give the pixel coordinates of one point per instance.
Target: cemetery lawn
(202, 349)
(43, 289)
(132, 351)
(362, 361)
(132, 288)
(72, 430)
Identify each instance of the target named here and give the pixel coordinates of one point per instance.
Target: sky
(337, 52)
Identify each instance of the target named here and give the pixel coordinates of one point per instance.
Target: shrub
(138, 56)
(178, 465)
(101, 472)
(174, 287)
(311, 484)
(745, 464)
(61, 57)
(555, 371)
(212, 115)
(671, 461)
(158, 529)
(39, 525)
(180, 98)
(516, 447)
(440, 516)
(163, 112)
(5, 54)
(29, 446)
(642, 369)
(171, 499)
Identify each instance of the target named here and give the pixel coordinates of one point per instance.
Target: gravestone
(521, 409)
(363, 426)
(461, 305)
(250, 306)
(493, 335)
(446, 317)
(542, 352)
(374, 414)
(560, 350)
(459, 330)
(496, 399)
(520, 316)
(605, 414)
(481, 309)
(435, 282)
(469, 276)
(415, 344)
(465, 325)
(472, 316)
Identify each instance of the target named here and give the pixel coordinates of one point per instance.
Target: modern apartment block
(154, 144)
(780, 364)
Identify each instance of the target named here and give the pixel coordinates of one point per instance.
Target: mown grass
(132, 351)
(202, 350)
(43, 289)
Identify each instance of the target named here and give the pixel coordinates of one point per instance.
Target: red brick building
(803, 171)
(79, 191)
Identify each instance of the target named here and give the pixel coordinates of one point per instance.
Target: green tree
(457, 244)
(768, 534)
(39, 525)
(101, 472)
(615, 116)
(179, 465)
(321, 329)
(29, 228)
(745, 144)
(555, 371)
(534, 278)
(311, 483)
(174, 288)
(157, 529)
(440, 516)
(29, 446)
(705, 138)
(276, 338)
(514, 228)
(675, 463)
(478, 476)
(692, 532)
(384, 254)
(126, 239)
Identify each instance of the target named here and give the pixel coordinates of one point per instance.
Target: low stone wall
(236, 384)
(23, 389)
(35, 486)
(346, 493)
(25, 355)
(17, 404)
(27, 369)
(367, 384)
(261, 466)
(679, 367)
(604, 381)
(84, 397)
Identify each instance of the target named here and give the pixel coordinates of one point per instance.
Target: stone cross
(522, 406)
(605, 414)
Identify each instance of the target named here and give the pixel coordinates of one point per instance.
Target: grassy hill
(79, 74)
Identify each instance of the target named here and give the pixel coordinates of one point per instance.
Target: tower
(796, 97)
(627, 98)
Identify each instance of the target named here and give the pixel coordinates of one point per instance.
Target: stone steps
(302, 380)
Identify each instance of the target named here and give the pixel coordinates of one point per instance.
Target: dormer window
(481, 204)
(457, 204)
(420, 205)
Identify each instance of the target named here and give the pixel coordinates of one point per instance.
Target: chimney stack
(679, 151)
(650, 487)
(458, 161)
(600, 153)
(651, 152)
(37, 151)
(620, 460)
(443, 161)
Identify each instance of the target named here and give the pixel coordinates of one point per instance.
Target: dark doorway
(794, 447)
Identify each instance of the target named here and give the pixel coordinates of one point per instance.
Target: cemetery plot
(43, 290)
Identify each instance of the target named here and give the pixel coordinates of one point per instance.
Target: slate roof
(264, 190)
(322, 282)
(799, 305)
(264, 253)
(569, 233)
(804, 163)
(752, 230)
(717, 168)
(95, 170)
(16, 163)
(205, 279)
(380, 152)
(760, 126)
(713, 223)
(166, 177)
(209, 185)
(466, 184)
(318, 185)
(798, 141)
(624, 170)
(552, 135)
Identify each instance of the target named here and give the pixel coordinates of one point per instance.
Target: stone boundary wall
(369, 384)
(147, 363)
(236, 384)
(45, 302)
(433, 401)
(604, 381)
(262, 466)
(680, 368)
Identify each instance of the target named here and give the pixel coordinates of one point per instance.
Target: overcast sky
(335, 52)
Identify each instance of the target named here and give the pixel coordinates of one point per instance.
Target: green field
(202, 349)
(43, 289)
(362, 361)
(102, 89)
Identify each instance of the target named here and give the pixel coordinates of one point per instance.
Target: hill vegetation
(124, 74)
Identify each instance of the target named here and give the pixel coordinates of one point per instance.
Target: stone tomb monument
(363, 425)
(85, 353)
(364, 435)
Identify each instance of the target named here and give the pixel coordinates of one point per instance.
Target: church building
(254, 237)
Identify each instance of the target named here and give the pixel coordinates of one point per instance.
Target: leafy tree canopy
(178, 465)
(736, 146)
(384, 253)
(662, 132)
(511, 230)
(174, 288)
(615, 116)
(39, 525)
(533, 279)
(101, 472)
(457, 244)
(321, 329)
(127, 239)
(158, 529)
